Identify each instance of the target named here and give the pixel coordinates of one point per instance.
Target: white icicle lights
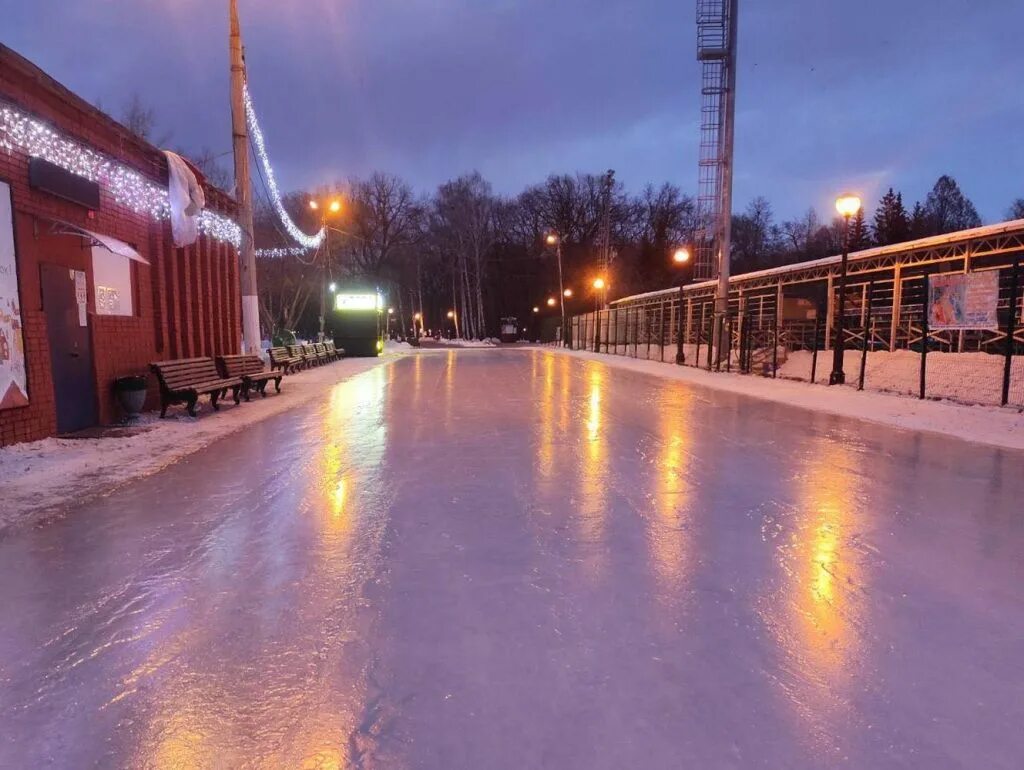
(129, 188)
(307, 241)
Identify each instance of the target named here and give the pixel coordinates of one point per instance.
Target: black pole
(1011, 329)
(661, 331)
(924, 335)
(680, 355)
(814, 343)
(867, 337)
(775, 345)
(711, 337)
(838, 376)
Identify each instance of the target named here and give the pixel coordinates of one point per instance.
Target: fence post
(728, 346)
(680, 355)
(868, 331)
(775, 346)
(1011, 329)
(814, 349)
(661, 331)
(924, 335)
(711, 337)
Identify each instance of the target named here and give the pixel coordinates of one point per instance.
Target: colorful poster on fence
(13, 383)
(963, 301)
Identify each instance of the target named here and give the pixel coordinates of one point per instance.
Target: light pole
(553, 239)
(332, 206)
(847, 205)
(681, 258)
(454, 317)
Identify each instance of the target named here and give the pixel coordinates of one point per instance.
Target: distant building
(91, 285)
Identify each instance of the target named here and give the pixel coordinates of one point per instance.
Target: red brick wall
(186, 301)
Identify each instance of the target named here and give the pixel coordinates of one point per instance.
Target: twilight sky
(831, 95)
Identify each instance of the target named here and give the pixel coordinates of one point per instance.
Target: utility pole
(243, 190)
(728, 141)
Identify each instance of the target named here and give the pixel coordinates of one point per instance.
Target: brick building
(91, 285)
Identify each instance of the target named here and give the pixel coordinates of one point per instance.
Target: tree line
(465, 249)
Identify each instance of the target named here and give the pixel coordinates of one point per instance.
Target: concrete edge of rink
(39, 478)
(994, 426)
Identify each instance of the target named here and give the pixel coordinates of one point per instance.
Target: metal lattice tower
(716, 50)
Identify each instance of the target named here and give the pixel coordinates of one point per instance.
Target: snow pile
(488, 343)
(983, 424)
(975, 378)
(41, 475)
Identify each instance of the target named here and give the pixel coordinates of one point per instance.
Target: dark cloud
(831, 95)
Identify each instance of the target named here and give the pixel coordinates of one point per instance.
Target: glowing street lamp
(332, 206)
(567, 293)
(681, 255)
(536, 309)
(332, 287)
(599, 283)
(847, 205)
(553, 240)
(551, 301)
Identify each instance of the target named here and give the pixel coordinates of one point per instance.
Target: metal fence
(888, 346)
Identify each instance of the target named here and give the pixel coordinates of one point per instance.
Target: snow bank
(38, 476)
(972, 378)
(983, 424)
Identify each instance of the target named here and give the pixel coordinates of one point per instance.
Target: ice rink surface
(515, 559)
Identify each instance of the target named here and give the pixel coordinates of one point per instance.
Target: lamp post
(454, 317)
(553, 239)
(324, 208)
(681, 258)
(847, 205)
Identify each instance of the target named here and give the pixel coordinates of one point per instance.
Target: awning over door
(111, 244)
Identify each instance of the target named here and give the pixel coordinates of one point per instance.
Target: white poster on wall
(13, 379)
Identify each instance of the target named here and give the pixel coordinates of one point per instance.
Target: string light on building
(23, 133)
(278, 253)
(308, 241)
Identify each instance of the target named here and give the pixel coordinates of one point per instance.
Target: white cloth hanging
(186, 198)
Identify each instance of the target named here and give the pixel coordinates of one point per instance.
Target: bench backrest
(295, 350)
(309, 351)
(321, 348)
(185, 372)
(330, 347)
(239, 365)
(280, 355)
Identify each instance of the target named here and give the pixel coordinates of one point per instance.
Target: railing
(884, 350)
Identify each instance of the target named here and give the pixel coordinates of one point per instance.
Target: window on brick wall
(112, 277)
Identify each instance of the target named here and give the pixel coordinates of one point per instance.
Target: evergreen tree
(1016, 210)
(948, 209)
(860, 238)
(890, 219)
(919, 225)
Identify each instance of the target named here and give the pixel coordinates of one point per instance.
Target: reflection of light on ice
(593, 471)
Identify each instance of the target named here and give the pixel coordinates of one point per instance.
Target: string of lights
(289, 251)
(24, 133)
(308, 241)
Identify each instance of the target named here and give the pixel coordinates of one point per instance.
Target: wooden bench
(336, 353)
(281, 359)
(250, 370)
(305, 352)
(184, 380)
(322, 354)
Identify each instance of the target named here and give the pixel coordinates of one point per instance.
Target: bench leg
(235, 392)
(214, 397)
(190, 405)
(277, 384)
(245, 392)
(164, 403)
(263, 389)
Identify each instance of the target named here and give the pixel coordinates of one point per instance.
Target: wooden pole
(243, 190)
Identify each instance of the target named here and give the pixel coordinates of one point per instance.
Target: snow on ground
(38, 476)
(983, 424)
